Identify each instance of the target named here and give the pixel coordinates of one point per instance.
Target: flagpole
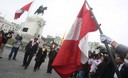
(28, 14)
(107, 47)
(62, 39)
(30, 9)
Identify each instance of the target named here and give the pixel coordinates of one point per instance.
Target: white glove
(104, 38)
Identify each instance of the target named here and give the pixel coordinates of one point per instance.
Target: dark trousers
(13, 50)
(37, 64)
(49, 68)
(27, 59)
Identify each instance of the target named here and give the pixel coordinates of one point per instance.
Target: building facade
(6, 25)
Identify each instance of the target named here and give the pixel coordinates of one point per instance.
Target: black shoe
(49, 72)
(38, 68)
(25, 67)
(34, 70)
(9, 58)
(14, 59)
(22, 65)
(0, 57)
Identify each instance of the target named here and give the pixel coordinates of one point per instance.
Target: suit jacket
(41, 55)
(52, 54)
(105, 70)
(31, 49)
(121, 50)
(124, 71)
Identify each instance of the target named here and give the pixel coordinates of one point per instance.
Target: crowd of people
(99, 65)
(31, 49)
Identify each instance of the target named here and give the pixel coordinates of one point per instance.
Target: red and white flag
(21, 11)
(74, 50)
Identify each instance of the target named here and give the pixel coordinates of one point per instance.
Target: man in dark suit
(52, 54)
(30, 49)
(123, 68)
(121, 51)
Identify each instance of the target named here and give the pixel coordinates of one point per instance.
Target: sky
(60, 15)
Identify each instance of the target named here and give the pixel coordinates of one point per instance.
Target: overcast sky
(60, 15)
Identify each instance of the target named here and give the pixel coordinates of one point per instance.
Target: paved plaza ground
(13, 68)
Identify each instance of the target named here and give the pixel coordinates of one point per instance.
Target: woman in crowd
(40, 57)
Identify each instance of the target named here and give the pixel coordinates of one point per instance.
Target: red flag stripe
(26, 7)
(21, 11)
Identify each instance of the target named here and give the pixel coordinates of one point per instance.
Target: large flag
(21, 11)
(74, 50)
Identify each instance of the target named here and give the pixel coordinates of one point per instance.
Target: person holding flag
(120, 49)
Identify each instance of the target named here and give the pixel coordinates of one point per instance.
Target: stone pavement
(13, 68)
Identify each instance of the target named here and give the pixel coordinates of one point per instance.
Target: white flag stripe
(83, 45)
(19, 11)
(74, 32)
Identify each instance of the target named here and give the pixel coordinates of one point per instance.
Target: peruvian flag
(74, 50)
(21, 11)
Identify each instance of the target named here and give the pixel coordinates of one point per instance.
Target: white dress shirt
(119, 68)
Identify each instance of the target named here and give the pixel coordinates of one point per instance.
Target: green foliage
(10, 41)
(48, 41)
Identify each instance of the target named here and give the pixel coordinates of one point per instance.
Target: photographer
(15, 47)
(5, 37)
